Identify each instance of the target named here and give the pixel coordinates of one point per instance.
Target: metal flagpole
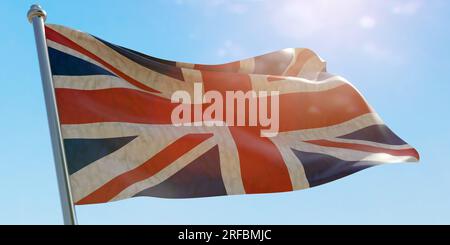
(36, 15)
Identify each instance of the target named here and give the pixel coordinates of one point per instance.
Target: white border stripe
(337, 130)
(151, 139)
(168, 171)
(351, 155)
(371, 143)
(75, 53)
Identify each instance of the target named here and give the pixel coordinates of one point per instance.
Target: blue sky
(395, 52)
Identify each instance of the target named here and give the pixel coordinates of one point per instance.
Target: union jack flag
(114, 106)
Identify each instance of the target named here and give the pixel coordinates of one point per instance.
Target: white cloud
(232, 6)
(333, 24)
(221, 52)
(381, 54)
(367, 22)
(230, 49)
(407, 8)
(300, 18)
(237, 8)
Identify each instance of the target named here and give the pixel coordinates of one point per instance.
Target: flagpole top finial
(36, 11)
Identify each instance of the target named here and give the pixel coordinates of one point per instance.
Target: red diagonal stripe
(360, 147)
(151, 167)
(61, 39)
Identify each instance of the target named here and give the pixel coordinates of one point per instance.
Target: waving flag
(115, 109)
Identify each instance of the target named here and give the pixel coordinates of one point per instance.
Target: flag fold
(116, 112)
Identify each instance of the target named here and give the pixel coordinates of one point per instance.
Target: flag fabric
(114, 106)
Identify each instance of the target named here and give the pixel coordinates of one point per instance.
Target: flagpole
(37, 16)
